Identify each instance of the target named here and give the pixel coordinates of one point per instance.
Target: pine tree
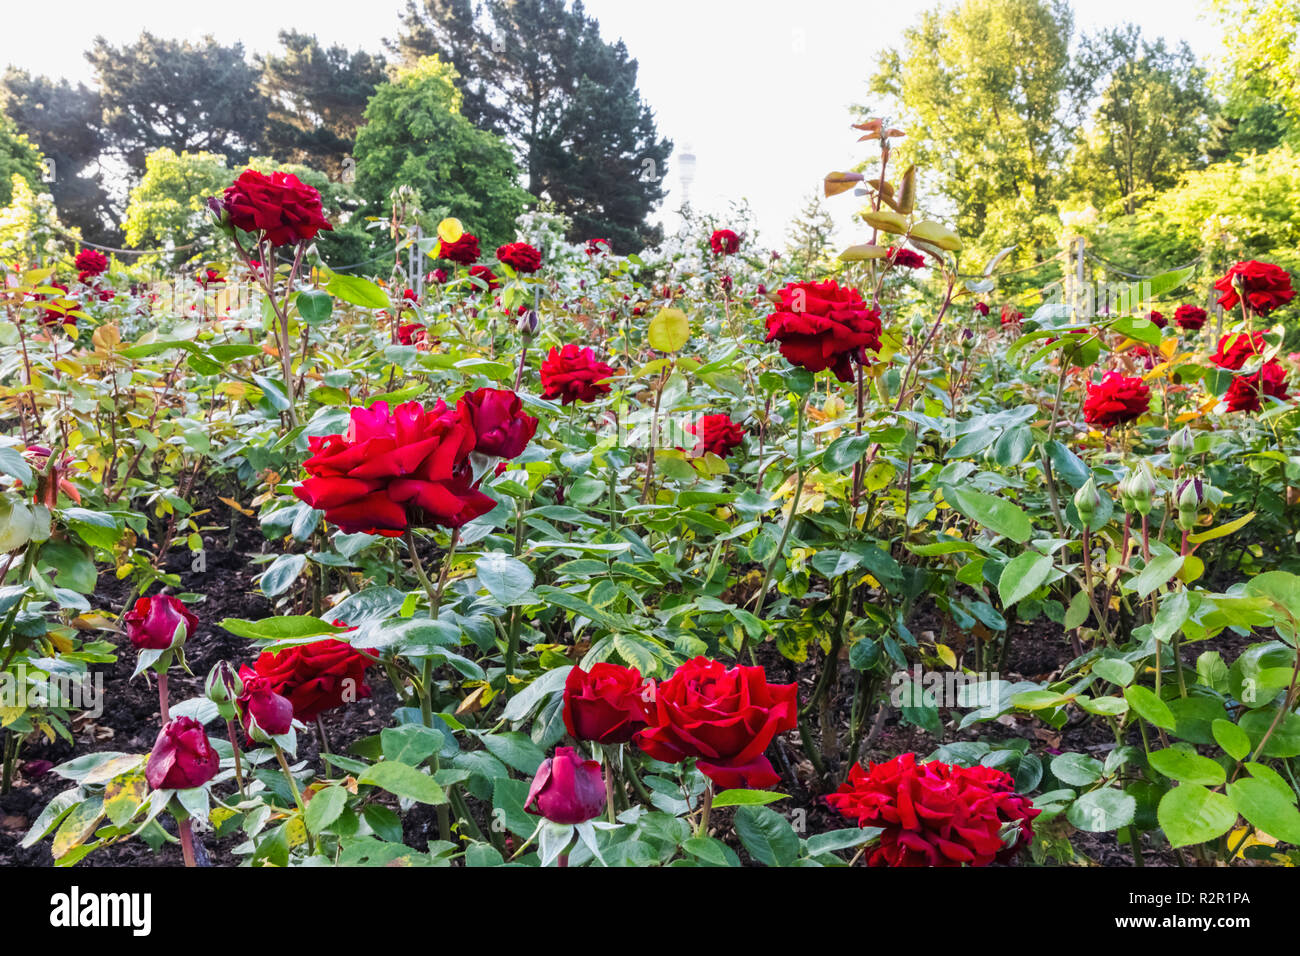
(808, 239)
(538, 73)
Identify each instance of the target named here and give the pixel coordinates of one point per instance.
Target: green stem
(297, 794)
(789, 521)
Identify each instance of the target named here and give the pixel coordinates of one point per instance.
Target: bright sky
(758, 90)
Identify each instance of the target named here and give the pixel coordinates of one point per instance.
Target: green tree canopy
(317, 99)
(538, 73)
(18, 157)
(415, 135)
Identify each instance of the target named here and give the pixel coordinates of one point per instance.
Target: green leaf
(1023, 576)
(357, 290)
(325, 807)
(1115, 670)
(1077, 770)
(767, 836)
(1157, 572)
(314, 305)
(410, 744)
(281, 628)
(284, 570)
(844, 452)
(1187, 767)
(1233, 740)
(506, 578)
(1190, 814)
(12, 464)
(1102, 810)
(997, 514)
(1266, 808)
(747, 798)
(1149, 706)
(404, 781)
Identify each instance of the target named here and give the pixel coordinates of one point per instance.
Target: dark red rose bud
(266, 714)
(35, 769)
(604, 704)
(159, 623)
(280, 205)
(182, 758)
(502, 427)
(567, 789)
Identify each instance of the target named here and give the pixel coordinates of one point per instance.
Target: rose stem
(234, 746)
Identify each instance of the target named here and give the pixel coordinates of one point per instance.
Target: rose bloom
(91, 262)
(605, 704)
(501, 426)
(265, 713)
(153, 622)
(463, 251)
(717, 434)
(824, 325)
(1266, 286)
(182, 757)
(1114, 400)
(315, 677)
(437, 275)
(982, 308)
(520, 256)
(413, 333)
(725, 717)
(280, 205)
(210, 277)
(566, 788)
(572, 374)
(936, 814)
(1157, 319)
(1246, 391)
(907, 258)
(1189, 317)
(724, 242)
(486, 275)
(597, 247)
(396, 470)
(1011, 317)
(1237, 348)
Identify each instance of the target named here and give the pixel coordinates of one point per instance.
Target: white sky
(760, 90)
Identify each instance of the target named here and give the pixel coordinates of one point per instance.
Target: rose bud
(604, 704)
(528, 323)
(266, 713)
(501, 427)
(182, 757)
(1142, 488)
(1087, 501)
(1190, 497)
(1125, 493)
(35, 769)
(224, 688)
(159, 623)
(1180, 446)
(567, 789)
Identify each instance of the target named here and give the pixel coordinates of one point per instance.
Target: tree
(1150, 114)
(317, 100)
(809, 237)
(538, 73)
(415, 135)
(63, 121)
(180, 95)
(1262, 59)
(18, 157)
(979, 88)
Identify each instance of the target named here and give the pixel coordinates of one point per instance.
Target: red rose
(1189, 317)
(1244, 394)
(182, 757)
(567, 789)
(280, 205)
(265, 713)
(91, 262)
(1013, 318)
(413, 333)
(824, 325)
(936, 814)
(724, 242)
(520, 256)
(437, 275)
(1157, 319)
(1114, 400)
(486, 275)
(1237, 348)
(982, 308)
(315, 677)
(717, 434)
(159, 623)
(1265, 285)
(396, 470)
(573, 375)
(500, 423)
(604, 704)
(463, 251)
(907, 258)
(724, 716)
(597, 247)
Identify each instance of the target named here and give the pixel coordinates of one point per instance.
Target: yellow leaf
(946, 655)
(450, 230)
(886, 221)
(937, 235)
(295, 831)
(864, 251)
(1222, 530)
(669, 330)
(236, 506)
